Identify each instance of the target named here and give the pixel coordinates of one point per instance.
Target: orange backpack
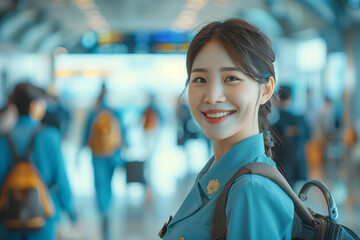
(105, 136)
(150, 118)
(24, 197)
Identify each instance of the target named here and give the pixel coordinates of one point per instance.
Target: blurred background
(136, 49)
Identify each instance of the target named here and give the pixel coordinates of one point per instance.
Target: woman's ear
(267, 91)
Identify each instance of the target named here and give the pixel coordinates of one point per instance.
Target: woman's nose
(214, 94)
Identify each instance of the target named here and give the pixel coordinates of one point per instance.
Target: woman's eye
(230, 79)
(199, 80)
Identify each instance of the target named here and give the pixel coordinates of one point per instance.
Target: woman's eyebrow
(199, 70)
(228, 69)
(223, 69)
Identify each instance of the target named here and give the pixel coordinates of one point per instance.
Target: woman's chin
(216, 136)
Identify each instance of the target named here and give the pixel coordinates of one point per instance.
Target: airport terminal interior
(132, 54)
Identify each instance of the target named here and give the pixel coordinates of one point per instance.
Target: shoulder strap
(219, 229)
(12, 146)
(32, 140)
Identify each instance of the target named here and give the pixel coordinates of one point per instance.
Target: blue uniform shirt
(257, 208)
(47, 157)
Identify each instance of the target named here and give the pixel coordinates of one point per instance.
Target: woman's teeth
(217, 115)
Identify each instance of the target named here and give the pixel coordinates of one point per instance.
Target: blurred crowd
(29, 111)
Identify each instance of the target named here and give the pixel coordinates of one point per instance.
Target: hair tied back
(267, 139)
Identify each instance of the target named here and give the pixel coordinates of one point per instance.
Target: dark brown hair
(251, 51)
(23, 94)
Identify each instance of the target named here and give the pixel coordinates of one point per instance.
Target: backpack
(105, 136)
(151, 119)
(24, 198)
(306, 225)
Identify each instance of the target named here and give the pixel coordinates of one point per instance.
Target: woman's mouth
(217, 116)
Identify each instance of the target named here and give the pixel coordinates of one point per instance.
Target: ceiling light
(182, 25)
(91, 13)
(191, 5)
(185, 18)
(82, 1)
(188, 12)
(86, 6)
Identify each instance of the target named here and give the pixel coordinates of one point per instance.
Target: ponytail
(269, 134)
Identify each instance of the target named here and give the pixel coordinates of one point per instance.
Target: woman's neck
(221, 147)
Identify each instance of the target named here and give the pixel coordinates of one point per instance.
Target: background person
(293, 133)
(45, 155)
(104, 134)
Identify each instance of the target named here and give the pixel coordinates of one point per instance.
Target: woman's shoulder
(49, 133)
(258, 190)
(254, 200)
(249, 182)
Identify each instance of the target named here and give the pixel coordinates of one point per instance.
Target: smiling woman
(230, 82)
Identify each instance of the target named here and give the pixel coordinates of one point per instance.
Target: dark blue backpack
(307, 224)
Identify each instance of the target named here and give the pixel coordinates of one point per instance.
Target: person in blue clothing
(46, 156)
(293, 132)
(104, 134)
(230, 82)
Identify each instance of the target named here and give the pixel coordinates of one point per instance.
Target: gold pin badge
(212, 186)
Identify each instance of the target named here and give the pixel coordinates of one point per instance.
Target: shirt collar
(239, 155)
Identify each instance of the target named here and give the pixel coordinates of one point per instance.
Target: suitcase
(135, 172)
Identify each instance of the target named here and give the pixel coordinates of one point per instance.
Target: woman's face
(223, 100)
